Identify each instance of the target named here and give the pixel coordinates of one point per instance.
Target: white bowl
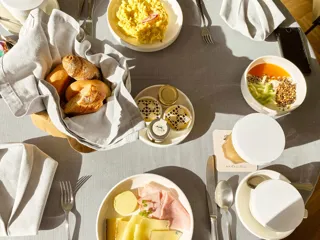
(242, 200)
(297, 78)
(106, 209)
(174, 27)
(174, 137)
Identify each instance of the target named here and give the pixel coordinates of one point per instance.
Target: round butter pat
(125, 203)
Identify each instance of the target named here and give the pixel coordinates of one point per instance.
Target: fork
(67, 202)
(80, 182)
(205, 33)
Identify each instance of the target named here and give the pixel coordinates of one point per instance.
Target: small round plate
(107, 211)
(15, 27)
(242, 200)
(174, 137)
(174, 27)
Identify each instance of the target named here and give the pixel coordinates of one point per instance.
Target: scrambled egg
(146, 20)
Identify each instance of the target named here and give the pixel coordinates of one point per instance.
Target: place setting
(58, 79)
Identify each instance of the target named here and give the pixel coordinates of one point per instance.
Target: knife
(211, 176)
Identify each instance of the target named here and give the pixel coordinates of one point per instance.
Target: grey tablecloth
(210, 76)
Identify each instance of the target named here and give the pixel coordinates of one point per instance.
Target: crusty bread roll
(80, 68)
(77, 86)
(88, 100)
(59, 78)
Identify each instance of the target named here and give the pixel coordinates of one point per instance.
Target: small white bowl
(106, 209)
(242, 200)
(175, 18)
(297, 78)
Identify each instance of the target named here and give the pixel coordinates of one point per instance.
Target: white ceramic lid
(258, 139)
(277, 204)
(23, 4)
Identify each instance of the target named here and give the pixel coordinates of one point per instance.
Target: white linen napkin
(43, 41)
(26, 175)
(256, 19)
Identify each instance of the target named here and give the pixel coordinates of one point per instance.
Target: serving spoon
(224, 199)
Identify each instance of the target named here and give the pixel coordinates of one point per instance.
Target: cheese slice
(129, 230)
(111, 228)
(167, 235)
(147, 225)
(115, 227)
(120, 228)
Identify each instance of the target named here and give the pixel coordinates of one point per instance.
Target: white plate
(174, 27)
(174, 137)
(15, 28)
(243, 211)
(106, 209)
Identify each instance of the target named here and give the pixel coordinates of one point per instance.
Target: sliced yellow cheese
(120, 228)
(125, 203)
(111, 228)
(129, 231)
(167, 235)
(114, 227)
(147, 225)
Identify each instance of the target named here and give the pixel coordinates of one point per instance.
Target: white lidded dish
(258, 139)
(277, 205)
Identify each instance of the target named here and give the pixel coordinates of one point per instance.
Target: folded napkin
(26, 175)
(43, 41)
(256, 19)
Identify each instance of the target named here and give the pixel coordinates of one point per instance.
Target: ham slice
(164, 204)
(173, 210)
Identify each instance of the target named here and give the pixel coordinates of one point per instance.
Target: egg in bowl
(145, 20)
(175, 21)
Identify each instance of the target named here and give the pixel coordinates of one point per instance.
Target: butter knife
(211, 177)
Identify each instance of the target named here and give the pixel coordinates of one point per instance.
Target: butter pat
(167, 235)
(125, 203)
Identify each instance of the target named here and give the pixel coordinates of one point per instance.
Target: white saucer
(174, 27)
(106, 209)
(242, 200)
(15, 28)
(174, 137)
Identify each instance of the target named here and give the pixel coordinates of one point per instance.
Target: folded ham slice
(164, 204)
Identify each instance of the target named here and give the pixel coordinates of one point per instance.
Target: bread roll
(80, 68)
(77, 86)
(59, 78)
(88, 100)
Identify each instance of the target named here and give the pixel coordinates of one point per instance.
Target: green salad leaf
(262, 92)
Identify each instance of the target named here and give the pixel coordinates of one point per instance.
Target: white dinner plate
(175, 18)
(106, 209)
(15, 28)
(174, 137)
(242, 200)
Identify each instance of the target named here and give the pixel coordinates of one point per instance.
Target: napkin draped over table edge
(26, 176)
(43, 41)
(254, 19)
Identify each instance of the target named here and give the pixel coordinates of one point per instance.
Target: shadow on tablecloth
(68, 169)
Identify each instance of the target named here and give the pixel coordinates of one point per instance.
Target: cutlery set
(87, 22)
(221, 195)
(67, 197)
